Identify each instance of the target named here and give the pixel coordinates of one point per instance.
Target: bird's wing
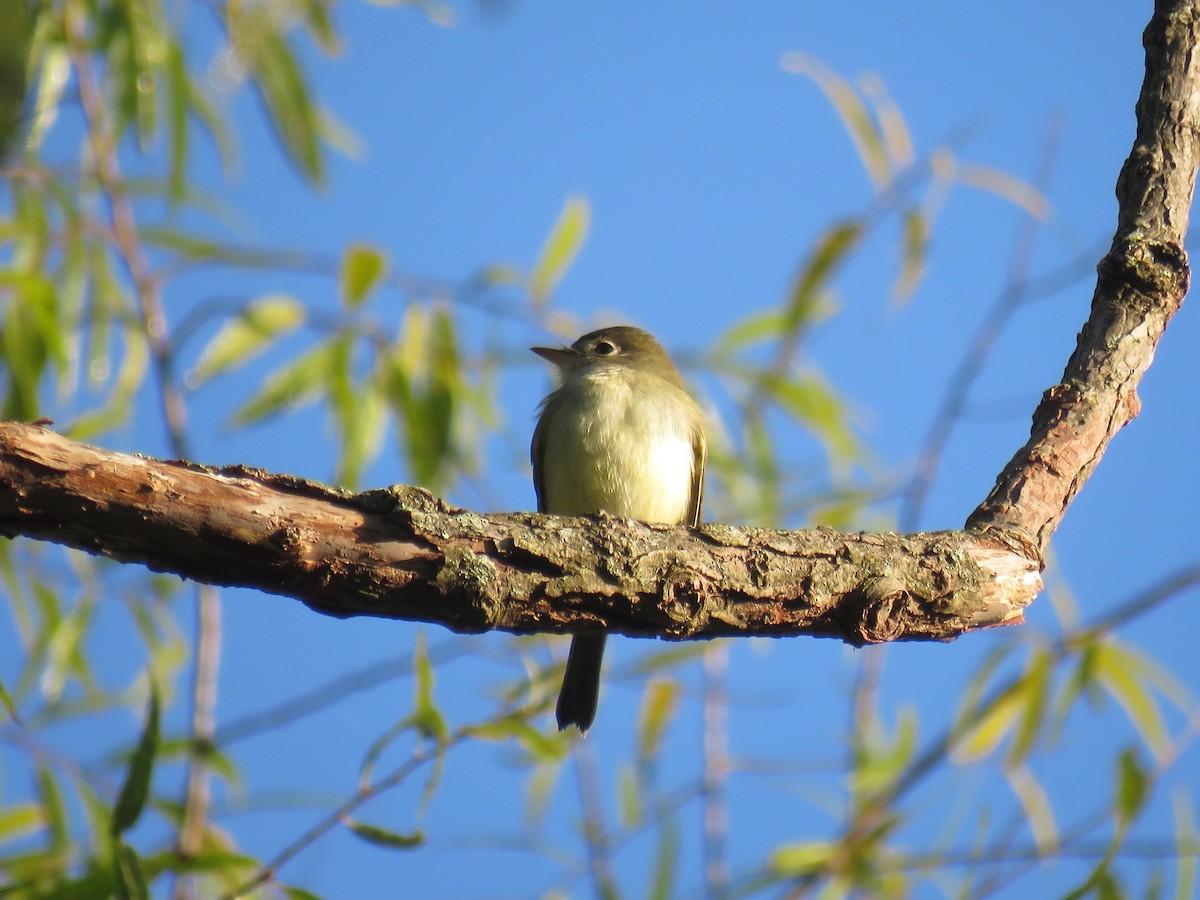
(699, 458)
(536, 453)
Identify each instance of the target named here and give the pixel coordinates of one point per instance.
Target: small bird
(622, 436)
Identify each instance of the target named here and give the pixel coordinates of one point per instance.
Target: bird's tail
(581, 683)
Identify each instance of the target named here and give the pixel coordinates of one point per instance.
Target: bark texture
(401, 553)
(1141, 285)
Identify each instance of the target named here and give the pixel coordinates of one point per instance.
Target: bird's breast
(614, 445)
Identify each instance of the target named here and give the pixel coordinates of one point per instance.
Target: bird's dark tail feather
(581, 683)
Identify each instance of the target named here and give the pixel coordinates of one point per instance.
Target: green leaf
(1186, 842)
(20, 819)
(1107, 886)
(358, 409)
(134, 365)
(53, 77)
(30, 337)
(1039, 812)
(97, 883)
(296, 384)
(883, 758)
(281, 86)
(136, 69)
(812, 403)
(64, 656)
(55, 812)
(422, 380)
(363, 267)
(764, 464)
(130, 880)
(799, 859)
(320, 25)
(830, 251)
(670, 658)
(381, 837)
(1133, 786)
(658, 706)
(214, 124)
(560, 249)
(992, 725)
(361, 418)
(15, 41)
(1035, 688)
(854, 113)
(897, 138)
(426, 716)
(220, 861)
(178, 91)
(264, 320)
(541, 746)
(376, 750)
(538, 792)
(295, 893)
(134, 793)
(31, 233)
(666, 862)
(7, 702)
(914, 246)
(629, 798)
(755, 328)
(1003, 184)
(196, 249)
(1124, 674)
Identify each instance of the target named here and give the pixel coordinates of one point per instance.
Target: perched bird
(620, 435)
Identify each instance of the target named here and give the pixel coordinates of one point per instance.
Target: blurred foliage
(388, 357)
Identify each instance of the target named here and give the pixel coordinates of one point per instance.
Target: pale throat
(621, 443)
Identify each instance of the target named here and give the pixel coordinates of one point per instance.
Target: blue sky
(709, 171)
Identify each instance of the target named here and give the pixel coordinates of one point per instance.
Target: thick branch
(401, 553)
(1142, 282)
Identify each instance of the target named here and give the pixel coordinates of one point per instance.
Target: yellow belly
(614, 447)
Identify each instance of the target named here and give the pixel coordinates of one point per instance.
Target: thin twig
(317, 700)
(421, 756)
(154, 323)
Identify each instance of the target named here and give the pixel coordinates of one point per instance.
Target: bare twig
(421, 757)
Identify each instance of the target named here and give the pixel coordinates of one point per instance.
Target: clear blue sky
(709, 171)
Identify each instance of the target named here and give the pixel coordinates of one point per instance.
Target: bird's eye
(605, 348)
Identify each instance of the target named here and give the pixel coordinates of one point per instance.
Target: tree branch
(401, 553)
(1141, 285)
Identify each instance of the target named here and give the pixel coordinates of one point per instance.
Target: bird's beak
(560, 356)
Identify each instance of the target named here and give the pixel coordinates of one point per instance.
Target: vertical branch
(595, 835)
(148, 293)
(204, 706)
(1142, 282)
(124, 225)
(716, 770)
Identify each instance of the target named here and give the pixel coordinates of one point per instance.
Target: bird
(620, 435)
